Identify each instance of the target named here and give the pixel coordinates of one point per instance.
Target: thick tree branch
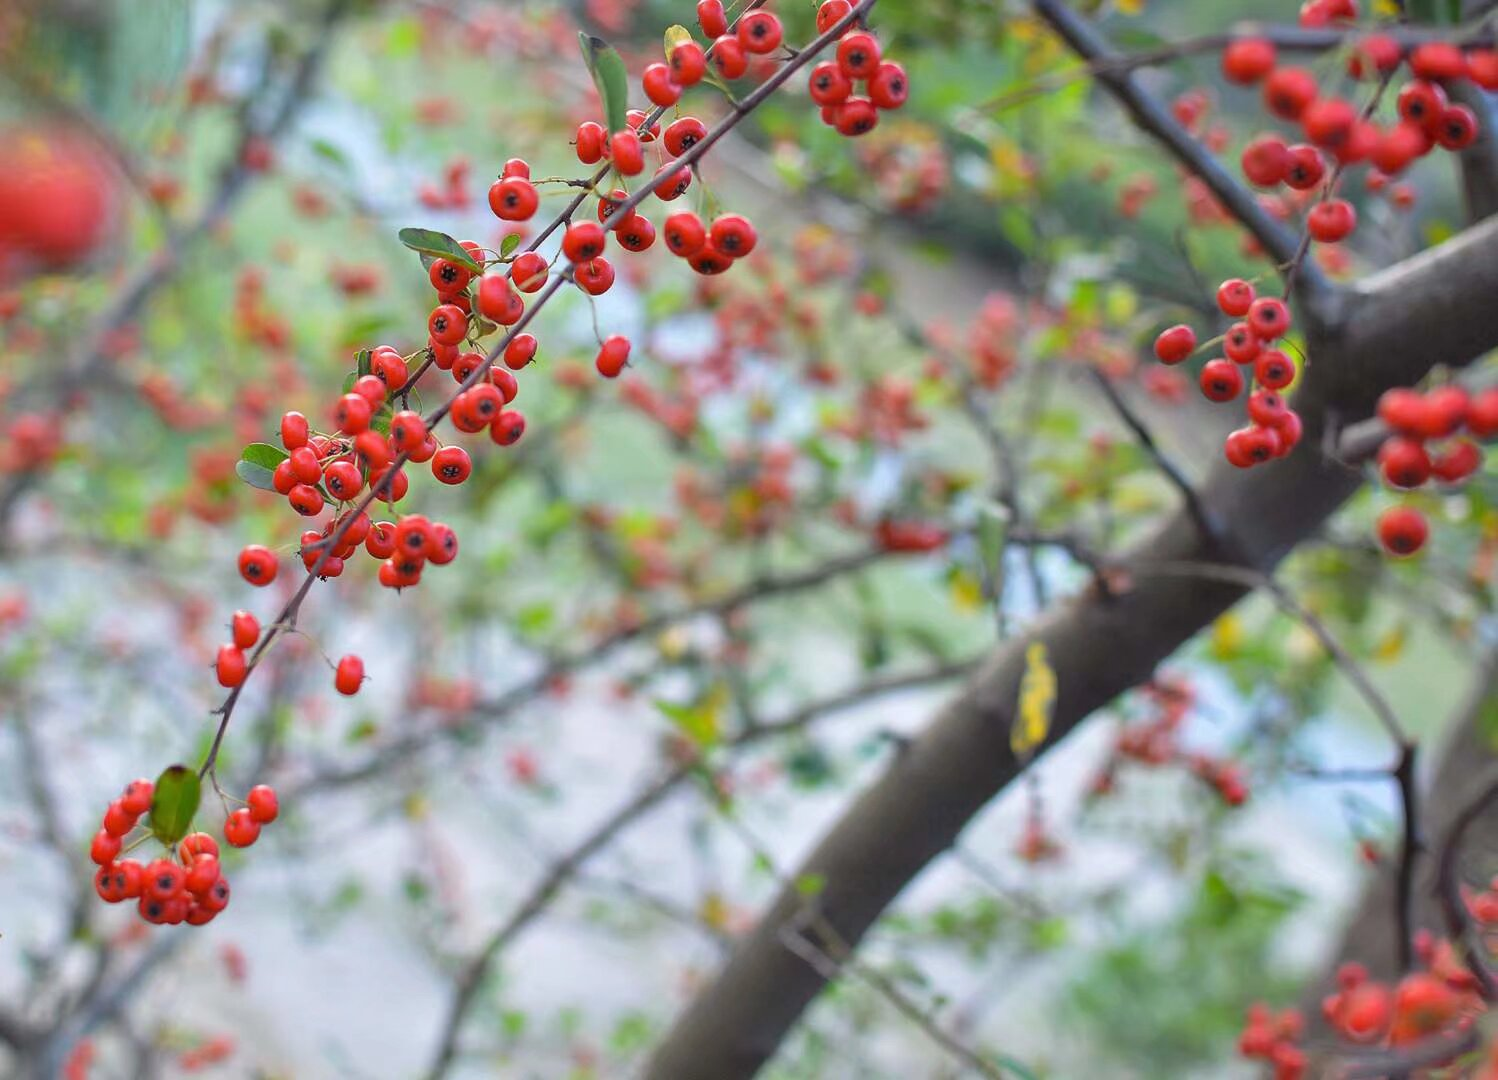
(1435, 308)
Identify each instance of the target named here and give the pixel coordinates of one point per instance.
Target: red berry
(1266, 160)
(1265, 407)
(349, 676)
(1304, 168)
(381, 539)
(195, 844)
(117, 820)
(1442, 412)
(1288, 91)
(1328, 122)
(733, 235)
(516, 167)
(1221, 380)
(1247, 60)
(1331, 220)
(728, 57)
(447, 544)
(711, 17)
(262, 804)
(104, 849)
(1438, 60)
(1375, 53)
(659, 87)
(452, 465)
(688, 63)
(1400, 145)
(136, 798)
(1402, 531)
(513, 198)
(1421, 103)
(1456, 127)
(612, 356)
(1482, 414)
(858, 55)
(709, 261)
(636, 234)
(760, 32)
(246, 629)
(498, 302)
(1482, 68)
(520, 351)
(507, 428)
(582, 241)
(1403, 462)
(626, 154)
(407, 430)
(305, 500)
(828, 85)
(163, 879)
(241, 829)
(257, 564)
(1175, 344)
(1234, 297)
(684, 233)
(230, 665)
(590, 140)
(529, 272)
(889, 87)
(1269, 317)
(829, 14)
(293, 430)
(447, 276)
(343, 480)
(856, 116)
(1241, 344)
(201, 874)
(672, 183)
(595, 277)
(1459, 461)
(1273, 370)
(447, 324)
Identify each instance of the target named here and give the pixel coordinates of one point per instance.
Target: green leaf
(361, 364)
(610, 78)
(174, 803)
(263, 454)
(431, 242)
(509, 244)
(257, 476)
(811, 884)
(328, 152)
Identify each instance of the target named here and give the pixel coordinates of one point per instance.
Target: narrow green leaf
(509, 244)
(361, 365)
(255, 475)
(174, 803)
(609, 76)
(431, 242)
(263, 454)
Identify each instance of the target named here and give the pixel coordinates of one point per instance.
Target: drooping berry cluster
(1274, 428)
(1408, 460)
(1440, 999)
(1156, 742)
(188, 884)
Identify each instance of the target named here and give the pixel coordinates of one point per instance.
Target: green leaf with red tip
(174, 803)
(431, 242)
(610, 77)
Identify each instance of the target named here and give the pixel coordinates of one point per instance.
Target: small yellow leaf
(1391, 645)
(967, 590)
(1037, 697)
(1227, 637)
(1130, 7)
(676, 34)
(713, 911)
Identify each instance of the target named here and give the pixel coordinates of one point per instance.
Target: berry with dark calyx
(1221, 380)
(582, 241)
(672, 183)
(1421, 103)
(1402, 531)
(1265, 407)
(728, 57)
(709, 261)
(507, 428)
(760, 32)
(1288, 91)
(451, 465)
(257, 564)
(343, 480)
(136, 798)
(163, 880)
(856, 116)
(447, 324)
(858, 55)
(1269, 316)
(1403, 462)
(407, 430)
(1456, 128)
(513, 198)
(733, 235)
(889, 87)
(828, 85)
(684, 133)
(1273, 370)
(448, 277)
(1241, 344)
(1304, 168)
(636, 234)
(447, 544)
(684, 233)
(1457, 462)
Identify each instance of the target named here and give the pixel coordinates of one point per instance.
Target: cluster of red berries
(1406, 460)
(1334, 126)
(833, 82)
(1155, 742)
(1274, 428)
(1438, 1000)
(189, 888)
